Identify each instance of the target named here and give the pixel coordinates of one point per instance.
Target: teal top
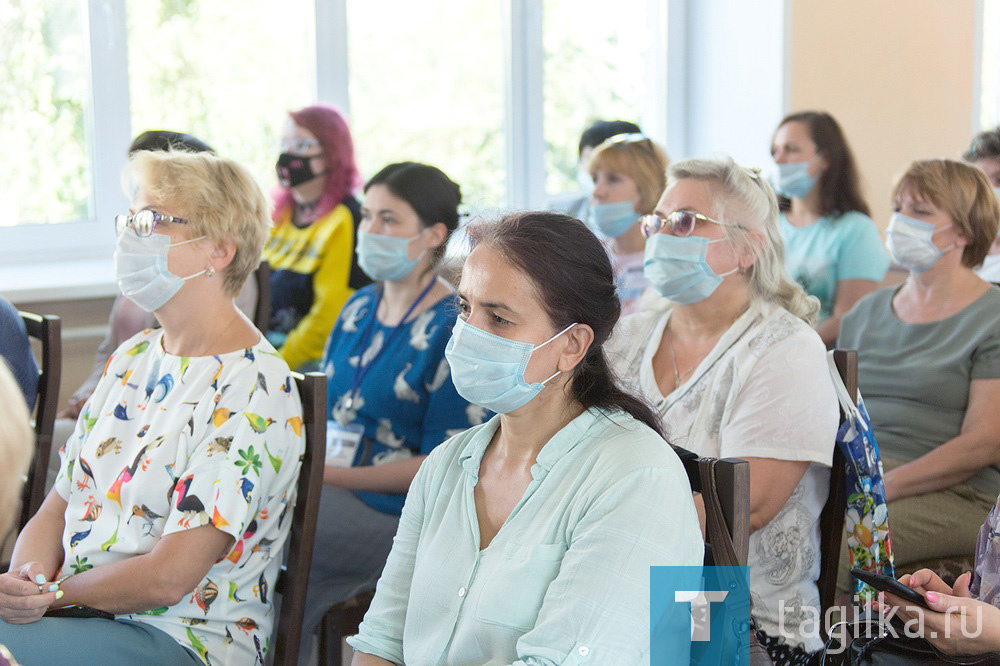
(915, 377)
(564, 581)
(831, 249)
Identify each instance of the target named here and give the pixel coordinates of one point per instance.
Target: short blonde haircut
(17, 443)
(742, 197)
(640, 159)
(217, 196)
(964, 193)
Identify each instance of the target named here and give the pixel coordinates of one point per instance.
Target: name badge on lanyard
(342, 443)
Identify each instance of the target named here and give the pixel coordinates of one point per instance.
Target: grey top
(915, 377)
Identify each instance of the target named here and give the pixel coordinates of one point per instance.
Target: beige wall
(899, 75)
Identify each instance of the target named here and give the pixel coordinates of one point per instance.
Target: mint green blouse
(565, 580)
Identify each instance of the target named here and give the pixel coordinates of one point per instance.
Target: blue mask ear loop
(533, 349)
(721, 275)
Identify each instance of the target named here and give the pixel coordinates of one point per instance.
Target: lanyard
(366, 338)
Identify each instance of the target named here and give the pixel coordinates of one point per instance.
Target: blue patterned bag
(866, 523)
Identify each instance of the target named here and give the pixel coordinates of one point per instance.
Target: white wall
(727, 71)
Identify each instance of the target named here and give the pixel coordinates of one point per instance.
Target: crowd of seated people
(499, 447)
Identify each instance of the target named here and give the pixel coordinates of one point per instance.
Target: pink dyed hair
(329, 126)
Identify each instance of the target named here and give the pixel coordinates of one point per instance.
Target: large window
(594, 69)
(494, 92)
(426, 84)
(187, 74)
(44, 109)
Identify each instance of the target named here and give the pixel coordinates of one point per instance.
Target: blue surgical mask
(677, 268)
(488, 370)
(794, 181)
(613, 219)
(141, 269)
(385, 258)
(911, 243)
(996, 191)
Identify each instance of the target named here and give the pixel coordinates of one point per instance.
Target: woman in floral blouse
(172, 503)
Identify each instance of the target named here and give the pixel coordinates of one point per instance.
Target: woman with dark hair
(832, 247)
(390, 391)
(311, 251)
(527, 539)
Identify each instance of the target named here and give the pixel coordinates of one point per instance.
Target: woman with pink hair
(311, 250)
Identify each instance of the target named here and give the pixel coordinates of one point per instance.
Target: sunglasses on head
(143, 222)
(678, 223)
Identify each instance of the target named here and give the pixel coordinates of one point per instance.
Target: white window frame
(91, 241)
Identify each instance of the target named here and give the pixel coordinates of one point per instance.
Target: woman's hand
(26, 594)
(925, 580)
(954, 624)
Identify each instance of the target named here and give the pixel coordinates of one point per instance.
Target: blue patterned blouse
(405, 401)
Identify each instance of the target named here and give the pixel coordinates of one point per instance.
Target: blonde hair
(640, 159)
(16, 446)
(963, 192)
(742, 197)
(217, 196)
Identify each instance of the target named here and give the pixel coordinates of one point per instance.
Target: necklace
(673, 361)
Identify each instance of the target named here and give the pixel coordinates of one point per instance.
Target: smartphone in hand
(890, 585)
(80, 611)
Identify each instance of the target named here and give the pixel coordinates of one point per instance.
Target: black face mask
(293, 170)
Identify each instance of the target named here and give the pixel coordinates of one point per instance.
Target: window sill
(58, 281)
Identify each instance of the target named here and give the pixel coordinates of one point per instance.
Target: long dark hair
(840, 184)
(572, 272)
(429, 191)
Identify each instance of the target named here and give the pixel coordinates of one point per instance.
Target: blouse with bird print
(406, 402)
(169, 443)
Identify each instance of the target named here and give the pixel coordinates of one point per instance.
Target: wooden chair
(262, 315)
(831, 520)
(341, 620)
(732, 477)
(293, 581)
(47, 329)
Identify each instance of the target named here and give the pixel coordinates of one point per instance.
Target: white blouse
(763, 391)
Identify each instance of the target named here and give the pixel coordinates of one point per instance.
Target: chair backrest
(732, 479)
(293, 581)
(47, 329)
(831, 521)
(262, 315)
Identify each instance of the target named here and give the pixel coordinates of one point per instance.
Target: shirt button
(584, 650)
(462, 591)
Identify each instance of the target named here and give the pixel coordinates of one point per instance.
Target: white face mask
(141, 269)
(911, 243)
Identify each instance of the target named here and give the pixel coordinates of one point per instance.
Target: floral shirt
(169, 443)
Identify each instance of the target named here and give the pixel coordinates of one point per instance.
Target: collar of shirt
(562, 443)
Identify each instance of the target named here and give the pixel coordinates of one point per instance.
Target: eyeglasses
(298, 145)
(143, 222)
(678, 223)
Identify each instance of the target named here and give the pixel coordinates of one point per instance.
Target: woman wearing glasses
(832, 246)
(311, 250)
(171, 507)
(629, 174)
(734, 368)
